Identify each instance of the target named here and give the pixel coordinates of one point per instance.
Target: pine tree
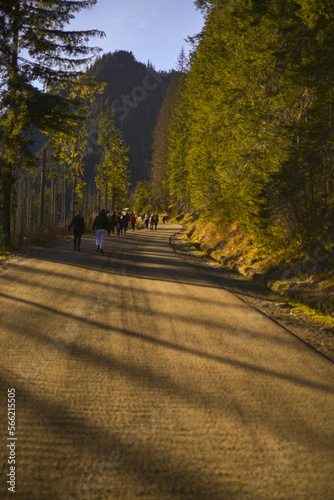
(252, 135)
(160, 146)
(37, 57)
(143, 197)
(182, 64)
(69, 147)
(112, 172)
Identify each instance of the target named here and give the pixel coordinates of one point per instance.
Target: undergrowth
(289, 272)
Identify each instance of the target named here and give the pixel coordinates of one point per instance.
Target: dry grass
(35, 237)
(45, 235)
(227, 245)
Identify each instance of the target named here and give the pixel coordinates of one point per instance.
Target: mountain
(135, 91)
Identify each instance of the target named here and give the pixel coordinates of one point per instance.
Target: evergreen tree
(160, 147)
(252, 132)
(112, 172)
(69, 146)
(54, 58)
(143, 197)
(182, 65)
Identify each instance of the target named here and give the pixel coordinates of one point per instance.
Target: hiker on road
(156, 220)
(100, 225)
(78, 224)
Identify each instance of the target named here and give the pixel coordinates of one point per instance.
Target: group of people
(151, 220)
(104, 223)
(120, 222)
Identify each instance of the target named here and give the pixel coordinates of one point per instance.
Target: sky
(153, 30)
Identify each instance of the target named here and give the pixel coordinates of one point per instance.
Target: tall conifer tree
(252, 135)
(160, 146)
(37, 58)
(112, 172)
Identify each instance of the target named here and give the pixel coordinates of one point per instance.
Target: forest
(241, 132)
(246, 133)
(75, 127)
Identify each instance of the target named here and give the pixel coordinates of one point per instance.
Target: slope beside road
(136, 376)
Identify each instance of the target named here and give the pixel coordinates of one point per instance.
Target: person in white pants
(100, 235)
(101, 225)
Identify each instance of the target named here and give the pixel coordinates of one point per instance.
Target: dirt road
(136, 377)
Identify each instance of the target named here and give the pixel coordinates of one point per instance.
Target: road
(136, 377)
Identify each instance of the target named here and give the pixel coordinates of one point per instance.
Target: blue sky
(152, 29)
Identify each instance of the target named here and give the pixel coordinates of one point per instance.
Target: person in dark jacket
(133, 221)
(125, 222)
(78, 224)
(113, 222)
(152, 221)
(156, 220)
(118, 226)
(101, 226)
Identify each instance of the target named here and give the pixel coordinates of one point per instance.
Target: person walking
(133, 221)
(113, 222)
(100, 225)
(156, 220)
(124, 220)
(118, 226)
(147, 220)
(78, 224)
(109, 223)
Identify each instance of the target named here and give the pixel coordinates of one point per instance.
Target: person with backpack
(156, 220)
(124, 220)
(152, 222)
(78, 224)
(101, 226)
(133, 221)
(118, 225)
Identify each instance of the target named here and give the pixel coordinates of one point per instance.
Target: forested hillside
(70, 158)
(135, 91)
(241, 134)
(250, 135)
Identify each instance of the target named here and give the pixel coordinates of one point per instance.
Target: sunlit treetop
(35, 44)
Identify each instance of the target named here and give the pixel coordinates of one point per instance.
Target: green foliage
(251, 134)
(160, 147)
(69, 144)
(143, 197)
(56, 59)
(112, 172)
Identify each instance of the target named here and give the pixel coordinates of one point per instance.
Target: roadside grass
(309, 294)
(5, 254)
(36, 237)
(305, 310)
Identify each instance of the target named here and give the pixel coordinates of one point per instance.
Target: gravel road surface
(138, 377)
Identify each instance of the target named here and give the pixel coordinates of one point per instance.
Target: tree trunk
(41, 208)
(52, 204)
(113, 201)
(29, 205)
(63, 201)
(6, 220)
(20, 212)
(73, 195)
